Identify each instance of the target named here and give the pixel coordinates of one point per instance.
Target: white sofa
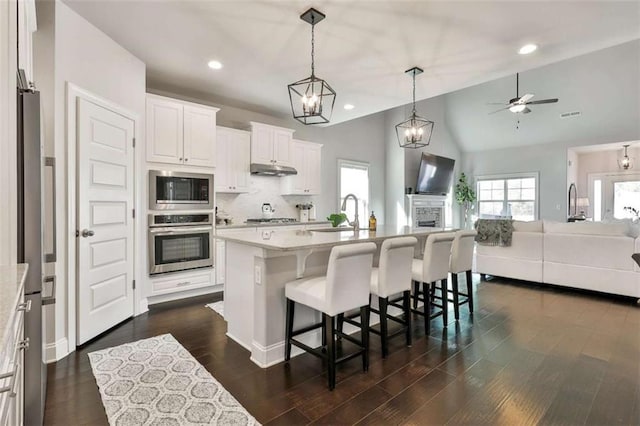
(586, 255)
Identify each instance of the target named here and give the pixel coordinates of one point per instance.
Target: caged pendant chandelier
(625, 162)
(312, 99)
(415, 132)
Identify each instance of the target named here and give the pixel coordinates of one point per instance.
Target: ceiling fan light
(517, 108)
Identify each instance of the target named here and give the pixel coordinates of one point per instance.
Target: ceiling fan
(520, 104)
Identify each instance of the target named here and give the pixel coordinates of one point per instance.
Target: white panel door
(262, 145)
(105, 202)
(223, 168)
(199, 136)
(164, 131)
(282, 147)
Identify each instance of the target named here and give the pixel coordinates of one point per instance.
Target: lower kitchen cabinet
(182, 281)
(220, 261)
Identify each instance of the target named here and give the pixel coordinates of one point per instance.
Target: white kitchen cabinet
(180, 132)
(307, 160)
(220, 261)
(182, 281)
(233, 157)
(271, 145)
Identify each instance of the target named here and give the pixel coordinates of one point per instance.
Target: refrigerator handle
(50, 300)
(52, 257)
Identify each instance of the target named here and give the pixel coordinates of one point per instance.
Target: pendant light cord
(413, 112)
(313, 45)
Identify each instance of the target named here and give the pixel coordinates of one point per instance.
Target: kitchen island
(258, 265)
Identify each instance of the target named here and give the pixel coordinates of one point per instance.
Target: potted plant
(465, 196)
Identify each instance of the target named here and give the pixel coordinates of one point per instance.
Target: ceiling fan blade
(525, 111)
(543, 101)
(501, 109)
(525, 98)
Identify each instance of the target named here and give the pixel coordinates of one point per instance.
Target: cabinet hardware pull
(184, 283)
(186, 159)
(180, 159)
(12, 384)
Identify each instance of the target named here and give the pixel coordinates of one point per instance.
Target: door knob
(87, 233)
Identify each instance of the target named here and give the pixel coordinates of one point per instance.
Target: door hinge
(134, 142)
(77, 233)
(134, 284)
(133, 213)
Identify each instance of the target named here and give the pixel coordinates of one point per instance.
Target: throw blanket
(494, 232)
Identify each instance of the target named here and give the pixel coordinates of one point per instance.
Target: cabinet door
(223, 168)
(240, 161)
(164, 131)
(220, 262)
(199, 136)
(261, 145)
(282, 147)
(312, 172)
(296, 184)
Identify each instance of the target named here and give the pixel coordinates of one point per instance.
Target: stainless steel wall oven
(180, 241)
(180, 191)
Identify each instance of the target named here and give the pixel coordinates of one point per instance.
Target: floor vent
(570, 114)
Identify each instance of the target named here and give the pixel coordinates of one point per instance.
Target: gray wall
(604, 85)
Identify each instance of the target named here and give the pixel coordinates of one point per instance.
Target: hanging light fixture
(312, 99)
(415, 132)
(625, 162)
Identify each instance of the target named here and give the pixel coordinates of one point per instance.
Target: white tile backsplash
(262, 189)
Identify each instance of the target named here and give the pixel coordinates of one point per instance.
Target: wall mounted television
(434, 177)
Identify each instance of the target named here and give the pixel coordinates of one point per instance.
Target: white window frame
(505, 177)
(356, 165)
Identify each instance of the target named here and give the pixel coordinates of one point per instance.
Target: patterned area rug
(217, 307)
(156, 381)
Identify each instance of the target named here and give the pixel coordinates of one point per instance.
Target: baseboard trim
(56, 351)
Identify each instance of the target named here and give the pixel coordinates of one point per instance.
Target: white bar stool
(392, 276)
(345, 287)
(433, 267)
(462, 261)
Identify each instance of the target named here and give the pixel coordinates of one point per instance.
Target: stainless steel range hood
(272, 170)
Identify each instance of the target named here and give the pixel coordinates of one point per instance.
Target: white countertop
(289, 239)
(11, 286)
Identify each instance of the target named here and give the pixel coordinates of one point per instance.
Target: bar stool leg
(456, 296)
(406, 305)
(288, 329)
(364, 330)
(329, 328)
(470, 290)
(445, 300)
(426, 288)
(382, 306)
(416, 293)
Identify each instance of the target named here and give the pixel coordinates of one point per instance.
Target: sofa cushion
(586, 228)
(532, 226)
(524, 245)
(597, 251)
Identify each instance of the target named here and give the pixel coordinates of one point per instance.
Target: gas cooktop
(273, 220)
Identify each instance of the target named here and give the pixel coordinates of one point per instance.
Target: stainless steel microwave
(180, 191)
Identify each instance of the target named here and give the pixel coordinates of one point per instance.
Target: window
(625, 194)
(512, 196)
(353, 178)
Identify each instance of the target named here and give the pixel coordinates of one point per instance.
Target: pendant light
(312, 98)
(625, 162)
(415, 132)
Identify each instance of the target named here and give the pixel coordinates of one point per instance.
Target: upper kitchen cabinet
(271, 145)
(232, 170)
(180, 132)
(307, 160)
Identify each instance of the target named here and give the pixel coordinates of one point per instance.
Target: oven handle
(180, 229)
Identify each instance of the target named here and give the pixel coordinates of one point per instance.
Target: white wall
(8, 65)
(602, 162)
(87, 58)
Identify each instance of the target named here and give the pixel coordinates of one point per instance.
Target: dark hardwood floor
(529, 355)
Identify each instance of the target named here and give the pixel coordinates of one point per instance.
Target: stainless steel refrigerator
(31, 163)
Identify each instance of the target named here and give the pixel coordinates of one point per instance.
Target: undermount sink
(338, 229)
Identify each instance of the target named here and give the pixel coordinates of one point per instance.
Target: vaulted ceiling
(362, 47)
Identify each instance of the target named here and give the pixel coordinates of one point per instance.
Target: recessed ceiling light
(528, 48)
(215, 65)
(348, 107)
